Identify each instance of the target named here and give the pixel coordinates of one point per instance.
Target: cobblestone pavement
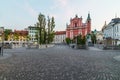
(60, 63)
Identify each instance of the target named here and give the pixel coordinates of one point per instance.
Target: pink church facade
(77, 27)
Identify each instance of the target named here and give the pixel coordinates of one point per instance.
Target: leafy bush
(68, 40)
(81, 40)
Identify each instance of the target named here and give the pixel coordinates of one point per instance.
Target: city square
(60, 62)
(59, 40)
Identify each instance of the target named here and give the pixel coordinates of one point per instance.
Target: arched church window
(88, 21)
(75, 24)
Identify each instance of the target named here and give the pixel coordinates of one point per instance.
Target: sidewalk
(42, 46)
(5, 55)
(46, 46)
(94, 49)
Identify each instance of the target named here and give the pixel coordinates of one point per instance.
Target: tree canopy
(45, 32)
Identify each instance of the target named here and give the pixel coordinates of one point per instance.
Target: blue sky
(19, 14)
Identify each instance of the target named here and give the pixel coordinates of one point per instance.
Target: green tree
(93, 38)
(45, 34)
(44, 30)
(7, 33)
(81, 40)
(52, 24)
(52, 29)
(16, 36)
(68, 40)
(37, 33)
(28, 37)
(49, 28)
(41, 27)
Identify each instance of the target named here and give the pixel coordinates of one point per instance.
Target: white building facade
(32, 32)
(99, 36)
(60, 37)
(112, 31)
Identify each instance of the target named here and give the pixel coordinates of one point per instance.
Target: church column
(71, 34)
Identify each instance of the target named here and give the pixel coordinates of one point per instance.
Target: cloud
(63, 2)
(30, 9)
(59, 4)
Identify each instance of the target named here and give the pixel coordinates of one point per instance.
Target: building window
(75, 24)
(117, 29)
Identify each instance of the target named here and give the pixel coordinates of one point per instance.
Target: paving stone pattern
(60, 63)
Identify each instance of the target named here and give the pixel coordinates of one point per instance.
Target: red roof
(60, 32)
(22, 32)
